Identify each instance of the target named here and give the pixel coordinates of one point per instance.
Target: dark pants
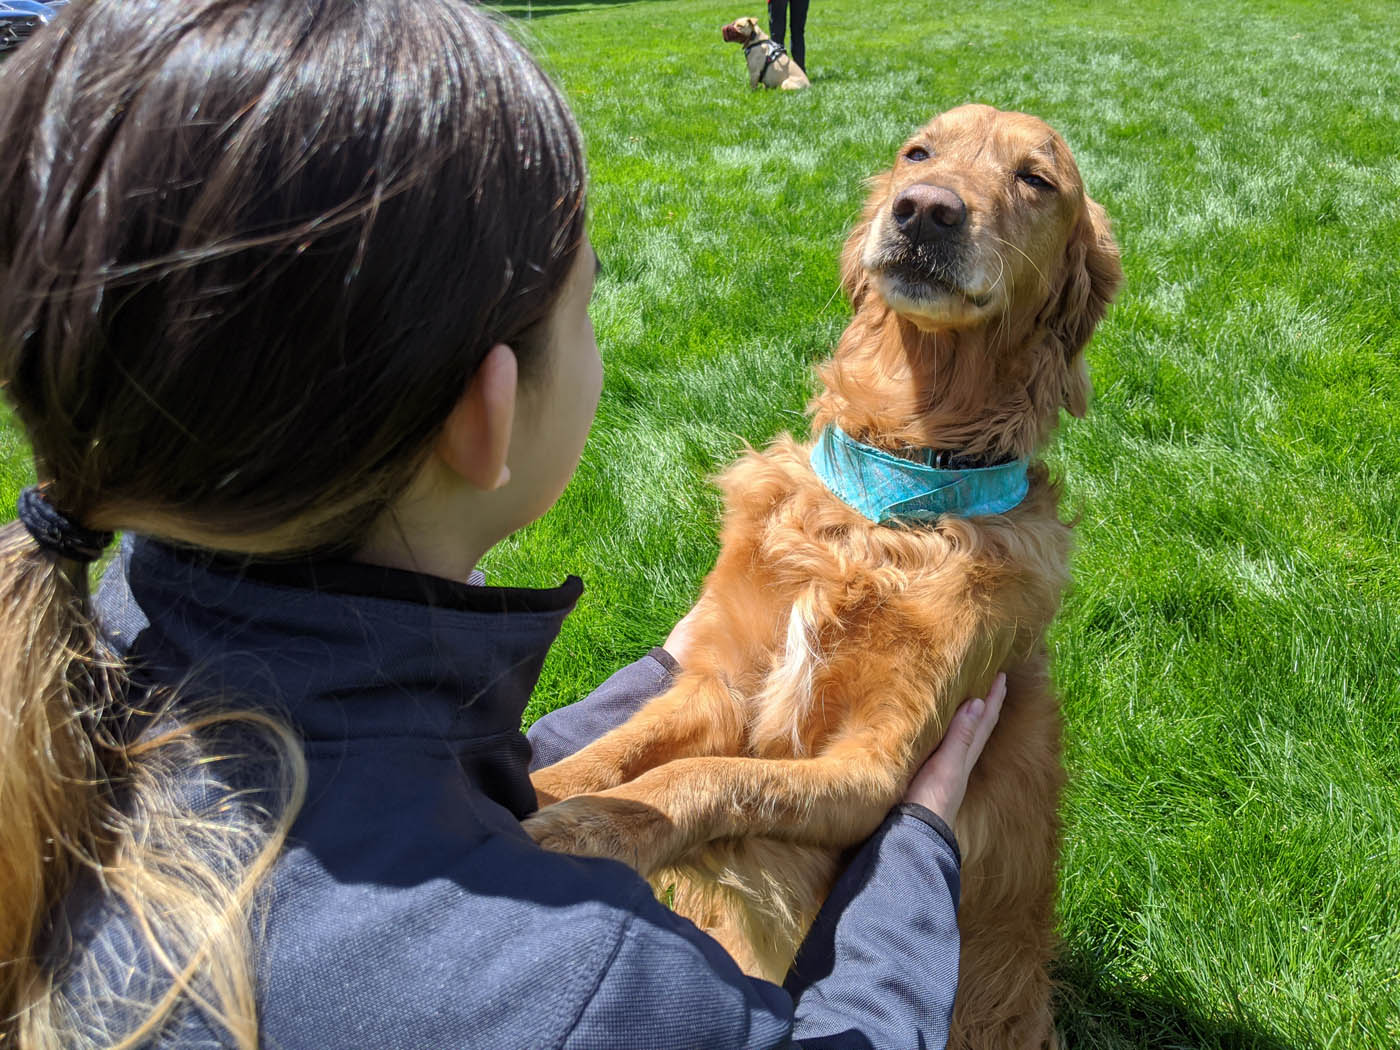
(777, 26)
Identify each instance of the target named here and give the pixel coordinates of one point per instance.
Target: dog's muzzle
(921, 248)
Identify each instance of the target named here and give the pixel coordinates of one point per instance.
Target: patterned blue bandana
(888, 490)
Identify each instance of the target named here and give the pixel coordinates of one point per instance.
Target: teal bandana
(888, 490)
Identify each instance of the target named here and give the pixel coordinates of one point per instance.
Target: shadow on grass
(531, 9)
(1096, 1012)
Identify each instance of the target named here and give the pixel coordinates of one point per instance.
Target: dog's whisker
(1004, 312)
(1038, 272)
(834, 293)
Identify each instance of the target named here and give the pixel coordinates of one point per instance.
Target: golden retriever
(769, 64)
(831, 650)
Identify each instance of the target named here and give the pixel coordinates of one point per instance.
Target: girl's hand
(681, 639)
(941, 782)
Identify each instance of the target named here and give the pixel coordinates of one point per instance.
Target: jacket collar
(343, 652)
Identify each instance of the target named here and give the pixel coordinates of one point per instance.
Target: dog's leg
(696, 716)
(1010, 832)
(781, 887)
(835, 800)
(716, 909)
(757, 897)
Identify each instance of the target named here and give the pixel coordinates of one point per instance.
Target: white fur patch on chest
(784, 704)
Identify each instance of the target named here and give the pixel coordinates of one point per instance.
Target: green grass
(1229, 655)
(1230, 652)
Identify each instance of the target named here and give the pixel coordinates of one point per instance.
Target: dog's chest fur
(851, 610)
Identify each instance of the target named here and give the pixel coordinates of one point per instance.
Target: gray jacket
(409, 909)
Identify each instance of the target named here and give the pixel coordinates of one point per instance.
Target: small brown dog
(834, 643)
(769, 65)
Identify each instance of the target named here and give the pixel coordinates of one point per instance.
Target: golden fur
(830, 651)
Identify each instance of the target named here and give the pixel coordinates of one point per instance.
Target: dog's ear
(854, 279)
(1091, 276)
(853, 276)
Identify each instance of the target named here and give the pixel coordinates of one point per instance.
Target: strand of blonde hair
(189, 881)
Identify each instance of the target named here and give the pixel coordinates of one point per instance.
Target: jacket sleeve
(560, 733)
(882, 958)
(878, 970)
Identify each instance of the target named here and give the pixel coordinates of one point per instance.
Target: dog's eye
(917, 154)
(1030, 178)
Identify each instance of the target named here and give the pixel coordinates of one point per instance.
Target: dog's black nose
(922, 211)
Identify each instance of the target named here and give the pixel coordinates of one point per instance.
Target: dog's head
(983, 220)
(740, 31)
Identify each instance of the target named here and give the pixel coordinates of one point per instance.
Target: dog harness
(890, 489)
(774, 51)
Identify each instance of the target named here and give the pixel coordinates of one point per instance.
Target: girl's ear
(1091, 276)
(475, 440)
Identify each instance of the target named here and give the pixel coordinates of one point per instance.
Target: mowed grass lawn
(1229, 654)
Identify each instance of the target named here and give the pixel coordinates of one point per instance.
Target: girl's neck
(894, 385)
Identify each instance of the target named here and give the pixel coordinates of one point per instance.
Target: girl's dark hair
(251, 253)
(253, 250)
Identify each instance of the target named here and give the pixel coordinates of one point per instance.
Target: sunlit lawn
(1229, 656)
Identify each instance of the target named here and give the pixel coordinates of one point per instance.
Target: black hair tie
(54, 532)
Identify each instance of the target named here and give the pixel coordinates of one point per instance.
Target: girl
(295, 294)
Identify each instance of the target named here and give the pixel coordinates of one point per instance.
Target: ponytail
(89, 781)
(53, 772)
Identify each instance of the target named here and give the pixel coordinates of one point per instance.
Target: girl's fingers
(961, 735)
(941, 780)
(988, 719)
(971, 726)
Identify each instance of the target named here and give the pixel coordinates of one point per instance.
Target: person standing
(777, 27)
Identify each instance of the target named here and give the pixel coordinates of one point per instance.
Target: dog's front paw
(599, 826)
(578, 774)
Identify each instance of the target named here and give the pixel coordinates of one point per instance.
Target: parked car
(20, 18)
(41, 8)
